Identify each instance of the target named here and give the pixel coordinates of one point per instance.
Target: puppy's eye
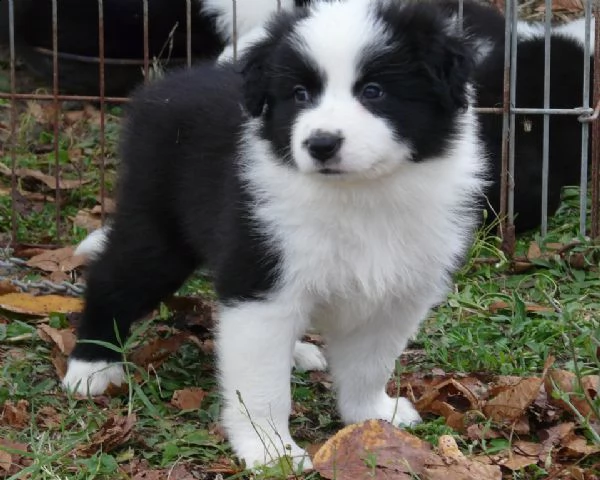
(371, 91)
(301, 94)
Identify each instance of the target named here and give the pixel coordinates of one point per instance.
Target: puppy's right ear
(257, 60)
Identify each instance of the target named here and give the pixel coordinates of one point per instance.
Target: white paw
(309, 357)
(92, 378)
(256, 456)
(404, 413)
(398, 411)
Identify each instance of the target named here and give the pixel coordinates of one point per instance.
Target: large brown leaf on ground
(374, 449)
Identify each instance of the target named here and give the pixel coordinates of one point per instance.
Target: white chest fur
(364, 243)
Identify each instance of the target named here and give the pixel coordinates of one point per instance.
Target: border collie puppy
(566, 80)
(332, 183)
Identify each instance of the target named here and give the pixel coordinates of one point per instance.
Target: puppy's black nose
(322, 146)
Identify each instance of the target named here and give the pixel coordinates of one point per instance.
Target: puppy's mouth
(331, 171)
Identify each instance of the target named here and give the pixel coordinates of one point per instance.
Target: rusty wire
(508, 110)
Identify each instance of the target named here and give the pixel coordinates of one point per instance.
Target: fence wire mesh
(103, 66)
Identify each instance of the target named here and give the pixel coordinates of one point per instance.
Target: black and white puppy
(332, 184)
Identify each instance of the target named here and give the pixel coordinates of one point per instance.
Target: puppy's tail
(94, 244)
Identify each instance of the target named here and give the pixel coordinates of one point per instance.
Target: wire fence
(105, 68)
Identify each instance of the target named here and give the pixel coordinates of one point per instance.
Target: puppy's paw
(404, 413)
(92, 378)
(309, 357)
(288, 456)
(398, 411)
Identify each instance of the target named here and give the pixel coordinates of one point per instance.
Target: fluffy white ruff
(92, 378)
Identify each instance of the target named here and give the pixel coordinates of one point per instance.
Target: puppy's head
(358, 88)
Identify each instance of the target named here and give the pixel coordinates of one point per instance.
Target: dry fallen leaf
(188, 398)
(567, 382)
(59, 260)
(64, 339)
(373, 449)
(572, 6)
(158, 350)
(511, 403)
(41, 305)
(16, 416)
(48, 417)
(87, 219)
(457, 466)
(10, 457)
(115, 432)
(529, 307)
(577, 447)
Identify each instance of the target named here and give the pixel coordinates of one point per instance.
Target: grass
(467, 333)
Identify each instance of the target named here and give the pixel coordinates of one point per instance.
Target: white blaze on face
(336, 40)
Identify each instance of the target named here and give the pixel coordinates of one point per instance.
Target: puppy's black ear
(456, 67)
(257, 61)
(255, 66)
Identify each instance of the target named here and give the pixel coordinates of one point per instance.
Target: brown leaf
(9, 456)
(554, 436)
(511, 403)
(572, 6)
(534, 252)
(158, 350)
(16, 416)
(577, 447)
(567, 382)
(59, 360)
(522, 455)
(64, 339)
(48, 417)
(61, 260)
(7, 287)
(41, 305)
(115, 432)
(456, 466)
(188, 398)
(87, 219)
(110, 205)
(373, 449)
(529, 307)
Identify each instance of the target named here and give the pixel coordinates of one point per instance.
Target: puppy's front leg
(361, 362)
(255, 344)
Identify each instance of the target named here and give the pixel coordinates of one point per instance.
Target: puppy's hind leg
(138, 268)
